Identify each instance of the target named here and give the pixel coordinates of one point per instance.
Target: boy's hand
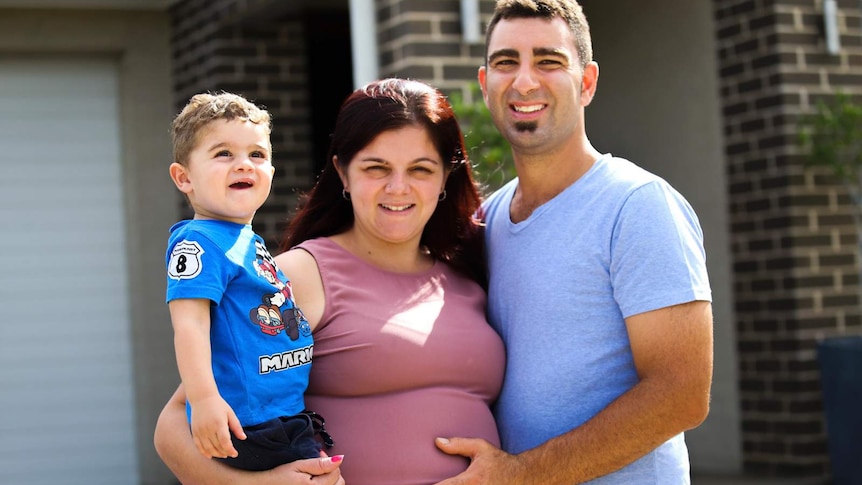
(212, 423)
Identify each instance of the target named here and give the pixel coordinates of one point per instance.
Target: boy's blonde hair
(203, 109)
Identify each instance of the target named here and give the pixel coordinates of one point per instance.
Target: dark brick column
(794, 240)
(242, 47)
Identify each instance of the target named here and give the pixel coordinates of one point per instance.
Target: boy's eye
(223, 153)
(258, 155)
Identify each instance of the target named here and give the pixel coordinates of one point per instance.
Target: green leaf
(487, 150)
(831, 137)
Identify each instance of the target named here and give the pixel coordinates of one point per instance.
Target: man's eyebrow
(537, 51)
(550, 51)
(503, 53)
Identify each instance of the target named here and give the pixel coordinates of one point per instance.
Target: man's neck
(543, 177)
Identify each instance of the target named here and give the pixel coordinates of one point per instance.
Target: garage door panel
(65, 348)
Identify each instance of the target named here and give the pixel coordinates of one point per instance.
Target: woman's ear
(445, 179)
(180, 176)
(340, 173)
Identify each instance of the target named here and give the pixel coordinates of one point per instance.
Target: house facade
(705, 93)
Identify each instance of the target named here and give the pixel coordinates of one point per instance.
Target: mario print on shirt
(265, 266)
(268, 314)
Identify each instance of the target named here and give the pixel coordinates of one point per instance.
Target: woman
(386, 264)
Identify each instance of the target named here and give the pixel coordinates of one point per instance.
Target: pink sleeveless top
(400, 359)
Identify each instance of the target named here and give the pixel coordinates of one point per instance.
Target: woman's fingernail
(337, 458)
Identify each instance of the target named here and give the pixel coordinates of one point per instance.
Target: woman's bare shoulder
(295, 258)
(301, 269)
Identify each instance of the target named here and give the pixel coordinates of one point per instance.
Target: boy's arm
(212, 417)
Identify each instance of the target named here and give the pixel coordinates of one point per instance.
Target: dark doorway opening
(330, 66)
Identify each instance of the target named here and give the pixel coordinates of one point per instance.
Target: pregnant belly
(389, 439)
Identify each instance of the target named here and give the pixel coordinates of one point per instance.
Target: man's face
(533, 83)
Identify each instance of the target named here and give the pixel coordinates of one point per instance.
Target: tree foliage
(832, 138)
(488, 151)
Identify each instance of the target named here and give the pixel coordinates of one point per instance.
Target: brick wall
(233, 45)
(794, 241)
(422, 39)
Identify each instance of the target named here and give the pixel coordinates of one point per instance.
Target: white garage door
(66, 403)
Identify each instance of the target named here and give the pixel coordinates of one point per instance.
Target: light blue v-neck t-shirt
(618, 242)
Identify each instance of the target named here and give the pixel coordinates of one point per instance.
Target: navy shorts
(275, 442)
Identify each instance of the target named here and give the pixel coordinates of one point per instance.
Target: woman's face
(394, 184)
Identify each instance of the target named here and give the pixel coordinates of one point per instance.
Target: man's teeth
(528, 109)
(396, 208)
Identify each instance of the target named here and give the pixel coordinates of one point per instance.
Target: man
(598, 281)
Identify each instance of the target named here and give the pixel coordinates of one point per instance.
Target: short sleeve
(657, 254)
(196, 268)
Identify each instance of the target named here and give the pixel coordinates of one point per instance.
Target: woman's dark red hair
(452, 234)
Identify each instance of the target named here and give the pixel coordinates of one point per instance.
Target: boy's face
(229, 172)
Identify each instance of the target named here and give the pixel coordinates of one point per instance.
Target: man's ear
(589, 82)
(180, 176)
(482, 80)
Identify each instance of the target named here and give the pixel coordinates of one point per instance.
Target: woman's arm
(175, 446)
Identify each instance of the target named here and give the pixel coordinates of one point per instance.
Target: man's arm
(673, 350)
(176, 448)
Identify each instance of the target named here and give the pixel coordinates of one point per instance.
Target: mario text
(285, 360)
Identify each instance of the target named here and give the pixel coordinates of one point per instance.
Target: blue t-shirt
(261, 342)
(618, 242)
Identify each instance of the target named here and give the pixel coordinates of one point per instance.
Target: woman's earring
(442, 196)
(345, 194)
